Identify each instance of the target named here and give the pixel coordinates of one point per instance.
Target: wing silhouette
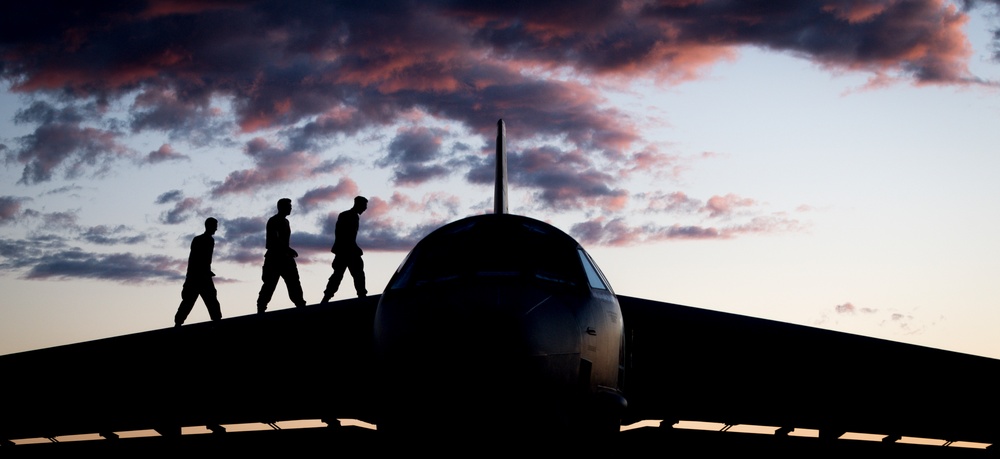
(685, 363)
(302, 363)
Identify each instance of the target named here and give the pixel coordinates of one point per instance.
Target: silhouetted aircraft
(503, 324)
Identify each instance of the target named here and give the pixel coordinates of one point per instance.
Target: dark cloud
(241, 240)
(562, 180)
(317, 69)
(56, 221)
(68, 146)
(63, 189)
(164, 153)
(183, 209)
(416, 155)
(345, 190)
(10, 208)
(920, 40)
(113, 235)
(188, 117)
(62, 141)
(121, 267)
(170, 196)
(273, 165)
(50, 257)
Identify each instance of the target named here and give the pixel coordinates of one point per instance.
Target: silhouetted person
(199, 276)
(348, 254)
(279, 260)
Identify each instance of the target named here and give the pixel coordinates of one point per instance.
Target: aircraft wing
(310, 363)
(685, 363)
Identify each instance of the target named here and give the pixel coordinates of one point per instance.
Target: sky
(825, 163)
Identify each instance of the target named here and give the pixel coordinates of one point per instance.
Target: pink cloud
(721, 206)
(617, 232)
(672, 202)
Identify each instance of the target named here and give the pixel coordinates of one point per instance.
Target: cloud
(380, 232)
(62, 141)
(344, 190)
(918, 40)
(415, 154)
(10, 208)
(113, 235)
(189, 117)
(170, 196)
(618, 232)
(722, 206)
(675, 202)
(273, 165)
(184, 207)
(561, 179)
(241, 240)
(848, 308)
(164, 153)
(890, 319)
(62, 190)
(50, 257)
(318, 70)
(121, 267)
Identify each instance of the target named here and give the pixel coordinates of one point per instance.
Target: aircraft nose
(467, 353)
(486, 323)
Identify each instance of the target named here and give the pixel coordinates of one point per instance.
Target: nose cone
(479, 322)
(485, 350)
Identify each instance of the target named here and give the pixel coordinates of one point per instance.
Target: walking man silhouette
(279, 259)
(198, 281)
(346, 250)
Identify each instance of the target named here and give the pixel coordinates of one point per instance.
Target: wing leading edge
(686, 363)
(301, 363)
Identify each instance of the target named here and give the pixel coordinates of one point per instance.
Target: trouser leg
(188, 296)
(210, 296)
(357, 267)
(332, 285)
(292, 283)
(270, 277)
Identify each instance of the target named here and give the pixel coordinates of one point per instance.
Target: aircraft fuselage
(504, 319)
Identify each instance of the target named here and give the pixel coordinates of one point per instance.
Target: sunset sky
(827, 163)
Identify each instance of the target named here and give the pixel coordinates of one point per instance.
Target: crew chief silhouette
(198, 281)
(348, 254)
(279, 260)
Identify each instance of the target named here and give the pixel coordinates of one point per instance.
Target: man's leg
(291, 276)
(357, 267)
(339, 267)
(270, 277)
(188, 295)
(211, 298)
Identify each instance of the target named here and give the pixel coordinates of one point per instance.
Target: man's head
(284, 206)
(211, 225)
(360, 204)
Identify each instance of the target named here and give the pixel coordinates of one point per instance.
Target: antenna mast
(500, 188)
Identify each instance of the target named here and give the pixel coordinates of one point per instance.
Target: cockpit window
(522, 251)
(594, 276)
